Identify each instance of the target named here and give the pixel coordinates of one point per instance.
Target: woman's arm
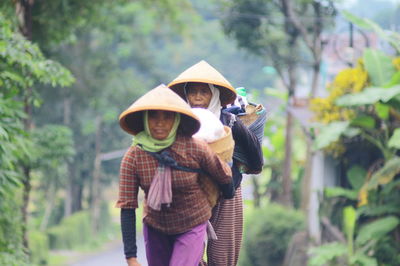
(128, 229)
(217, 169)
(127, 201)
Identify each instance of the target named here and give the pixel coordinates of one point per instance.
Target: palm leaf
(394, 141)
(330, 133)
(376, 229)
(385, 174)
(379, 66)
(370, 95)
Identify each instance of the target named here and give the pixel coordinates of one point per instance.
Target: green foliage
(385, 174)
(363, 121)
(267, 234)
(328, 254)
(356, 176)
(330, 133)
(39, 247)
(349, 224)
(11, 250)
(22, 66)
(12, 259)
(382, 110)
(53, 146)
(376, 230)
(379, 66)
(391, 37)
(394, 141)
(369, 96)
(338, 191)
(72, 231)
(374, 120)
(354, 254)
(76, 230)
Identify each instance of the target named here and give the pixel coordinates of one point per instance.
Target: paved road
(113, 256)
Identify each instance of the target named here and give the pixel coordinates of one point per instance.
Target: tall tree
(22, 67)
(111, 69)
(273, 29)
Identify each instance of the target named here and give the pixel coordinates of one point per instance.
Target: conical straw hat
(159, 98)
(205, 73)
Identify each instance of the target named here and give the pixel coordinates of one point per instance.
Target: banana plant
(376, 120)
(360, 242)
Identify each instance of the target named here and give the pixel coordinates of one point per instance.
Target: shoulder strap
(166, 159)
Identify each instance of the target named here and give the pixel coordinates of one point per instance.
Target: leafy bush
(11, 249)
(39, 247)
(13, 259)
(73, 230)
(76, 230)
(267, 235)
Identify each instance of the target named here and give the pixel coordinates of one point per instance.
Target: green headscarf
(148, 143)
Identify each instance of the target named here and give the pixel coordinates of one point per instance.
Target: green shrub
(267, 234)
(13, 259)
(11, 248)
(39, 247)
(73, 230)
(76, 230)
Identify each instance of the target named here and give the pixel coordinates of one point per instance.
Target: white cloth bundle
(211, 129)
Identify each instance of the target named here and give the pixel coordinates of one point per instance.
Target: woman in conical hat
(203, 86)
(164, 160)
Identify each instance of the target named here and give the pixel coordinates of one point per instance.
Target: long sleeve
(128, 181)
(128, 228)
(212, 164)
(218, 170)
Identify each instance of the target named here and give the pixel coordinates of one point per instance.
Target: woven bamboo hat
(159, 98)
(205, 73)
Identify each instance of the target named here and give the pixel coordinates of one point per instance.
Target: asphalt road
(113, 257)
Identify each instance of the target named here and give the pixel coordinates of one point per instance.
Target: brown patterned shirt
(189, 205)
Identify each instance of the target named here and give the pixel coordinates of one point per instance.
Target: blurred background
(327, 72)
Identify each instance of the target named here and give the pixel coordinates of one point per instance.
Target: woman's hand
(133, 262)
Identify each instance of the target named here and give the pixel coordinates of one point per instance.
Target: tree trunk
(50, 201)
(27, 189)
(24, 14)
(286, 197)
(70, 168)
(96, 200)
(256, 191)
(69, 194)
(306, 182)
(315, 78)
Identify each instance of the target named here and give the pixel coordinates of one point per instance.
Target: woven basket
(251, 114)
(223, 147)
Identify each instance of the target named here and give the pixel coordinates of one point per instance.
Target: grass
(57, 259)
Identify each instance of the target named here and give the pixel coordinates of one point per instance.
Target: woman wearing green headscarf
(165, 161)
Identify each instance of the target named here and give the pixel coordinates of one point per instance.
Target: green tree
(112, 69)
(273, 30)
(22, 65)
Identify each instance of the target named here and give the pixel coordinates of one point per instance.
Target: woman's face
(160, 123)
(198, 95)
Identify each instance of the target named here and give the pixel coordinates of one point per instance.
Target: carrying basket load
(223, 147)
(254, 119)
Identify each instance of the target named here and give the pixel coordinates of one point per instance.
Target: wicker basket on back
(254, 119)
(251, 114)
(223, 147)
